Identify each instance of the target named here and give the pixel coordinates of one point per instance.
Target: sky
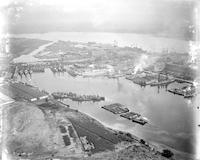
(159, 17)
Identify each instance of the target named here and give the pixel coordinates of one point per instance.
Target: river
(145, 41)
(170, 116)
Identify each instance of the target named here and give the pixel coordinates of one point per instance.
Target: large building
(19, 90)
(180, 71)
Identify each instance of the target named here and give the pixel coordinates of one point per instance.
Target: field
(23, 46)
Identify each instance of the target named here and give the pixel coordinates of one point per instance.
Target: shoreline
(42, 60)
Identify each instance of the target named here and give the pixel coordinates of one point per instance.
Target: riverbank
(68, 133)
(148, 101)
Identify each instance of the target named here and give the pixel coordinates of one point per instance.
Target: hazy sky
(160, 17)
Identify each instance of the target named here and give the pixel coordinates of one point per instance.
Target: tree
(167, 153)
(142, 141)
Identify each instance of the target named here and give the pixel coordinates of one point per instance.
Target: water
(147, 42)
(169, 115)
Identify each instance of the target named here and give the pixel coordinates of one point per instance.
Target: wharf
(162, 83)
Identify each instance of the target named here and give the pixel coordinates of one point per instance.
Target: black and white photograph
(100, 79)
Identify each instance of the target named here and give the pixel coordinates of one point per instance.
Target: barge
(116, 108)
(186, 91)
(130, 115)
(176, 91)
(134, 117)
(140, 120)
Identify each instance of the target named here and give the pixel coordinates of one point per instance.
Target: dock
(162, 83)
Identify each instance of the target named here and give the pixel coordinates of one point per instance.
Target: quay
(162, 83)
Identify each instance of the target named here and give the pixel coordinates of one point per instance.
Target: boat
(75, 97)
(116, 108)
(130, 115)
(140, 120)
(176, 91)
(188, 95)
(72, 73)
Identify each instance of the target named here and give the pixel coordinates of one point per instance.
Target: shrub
(129, 135)
(142, 141)
(167, 153)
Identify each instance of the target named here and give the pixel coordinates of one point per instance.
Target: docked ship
(75, 97)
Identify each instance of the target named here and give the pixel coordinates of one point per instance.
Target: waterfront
(170, 116)
(100, 80)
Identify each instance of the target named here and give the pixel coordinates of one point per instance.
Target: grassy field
(23, 46)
